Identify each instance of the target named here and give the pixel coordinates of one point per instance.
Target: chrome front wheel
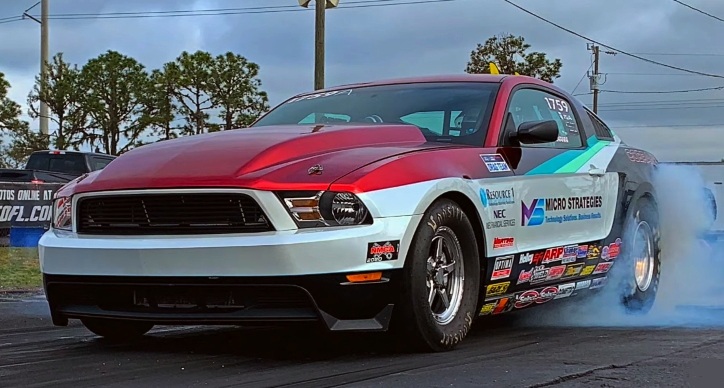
(445, 275)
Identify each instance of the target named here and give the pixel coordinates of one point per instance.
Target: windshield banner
(27, 204)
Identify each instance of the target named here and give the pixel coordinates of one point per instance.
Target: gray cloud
(395, 41)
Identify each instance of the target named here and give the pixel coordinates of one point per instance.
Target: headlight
(325, 208)
(63, 213)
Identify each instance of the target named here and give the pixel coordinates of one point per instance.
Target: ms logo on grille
(533, 214)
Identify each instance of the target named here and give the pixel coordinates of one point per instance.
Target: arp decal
(383, 251)
(497, 289)
(502, 267)
(495, 163)
(497, 197)
(588, 270)
(573, 270)
(552, 255)
(503, 242)
(598, 283)
(565, 290)
(602, 268)
(536, 213)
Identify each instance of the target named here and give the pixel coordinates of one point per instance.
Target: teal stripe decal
(569, 161)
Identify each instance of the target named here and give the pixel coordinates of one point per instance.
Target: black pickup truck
(26, 194)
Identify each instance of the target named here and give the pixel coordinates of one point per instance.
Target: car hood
(258, 157)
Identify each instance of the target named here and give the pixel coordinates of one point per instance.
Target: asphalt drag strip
(503, 352)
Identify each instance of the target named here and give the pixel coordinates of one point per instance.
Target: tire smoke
(691, 287)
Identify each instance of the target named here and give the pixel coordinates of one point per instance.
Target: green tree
(235, 88)
(116, 89)
(508, 52)
(61, 93)
(23, 142)
(9, 110)
(193, 72)
(161, 103)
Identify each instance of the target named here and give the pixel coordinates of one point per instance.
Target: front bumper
(282, 276)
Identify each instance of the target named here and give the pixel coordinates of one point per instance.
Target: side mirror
(533, 132)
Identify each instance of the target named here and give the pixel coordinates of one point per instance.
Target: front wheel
(117, 330)
(441, 280)
(643, 258)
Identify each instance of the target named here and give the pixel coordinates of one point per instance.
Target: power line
(663, 91)
(684, 54)
(11, 19)
(610, 47)
(233, 11)
(582, 78)
(682, 101)
(700, 11)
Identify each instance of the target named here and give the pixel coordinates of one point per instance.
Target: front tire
(441, 280)
(115, 330)
(642, 258)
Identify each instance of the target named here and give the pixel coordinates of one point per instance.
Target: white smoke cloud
(690, 291)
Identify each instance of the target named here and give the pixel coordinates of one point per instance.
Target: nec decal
(533, 214)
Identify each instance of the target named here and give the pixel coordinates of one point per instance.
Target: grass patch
(19, 269)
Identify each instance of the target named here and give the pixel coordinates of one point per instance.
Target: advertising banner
(26, 204)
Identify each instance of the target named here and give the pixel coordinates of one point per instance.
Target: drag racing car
(412, 206)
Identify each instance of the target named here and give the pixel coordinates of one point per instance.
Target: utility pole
(44, 54)
(319, 32)
(595, 76)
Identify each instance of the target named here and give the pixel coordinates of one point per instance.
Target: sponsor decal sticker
(503, 242)
(540, 273)
(639, 156)
(602, 268)
(556, 272)
(604, 253)
(497, 289)
(598, 283)
(526, 299)
(488, 308)
(502, 267)
(524, 276)
(583, 284)
(594, 252)
(614, 249)
(526, 258)
(497, 197)
(501, 220)
(588, 270)
(573, 270)
(565, 290)
(537, 212)
(383, 251)
(582, 252)
(495, 162)
(547, 294)
(552, 255)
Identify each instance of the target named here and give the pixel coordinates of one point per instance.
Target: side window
(602, 131)
(98, 163)
(535, 105)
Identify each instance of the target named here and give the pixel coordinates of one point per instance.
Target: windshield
(456, 112)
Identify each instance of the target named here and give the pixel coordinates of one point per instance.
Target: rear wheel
(642, 258)
(117, 330)
(441, 280)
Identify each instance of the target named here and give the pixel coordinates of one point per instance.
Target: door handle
(595, 171)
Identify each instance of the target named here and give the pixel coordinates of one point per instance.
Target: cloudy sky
(372, 39)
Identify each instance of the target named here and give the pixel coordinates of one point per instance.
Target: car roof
(482, 78)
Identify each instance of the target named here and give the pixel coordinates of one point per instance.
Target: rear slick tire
(116, 330)
(441, 281)
(643, 261)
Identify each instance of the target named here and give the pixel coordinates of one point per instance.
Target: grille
(146, 214)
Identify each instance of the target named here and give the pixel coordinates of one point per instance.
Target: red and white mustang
(413, 205)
